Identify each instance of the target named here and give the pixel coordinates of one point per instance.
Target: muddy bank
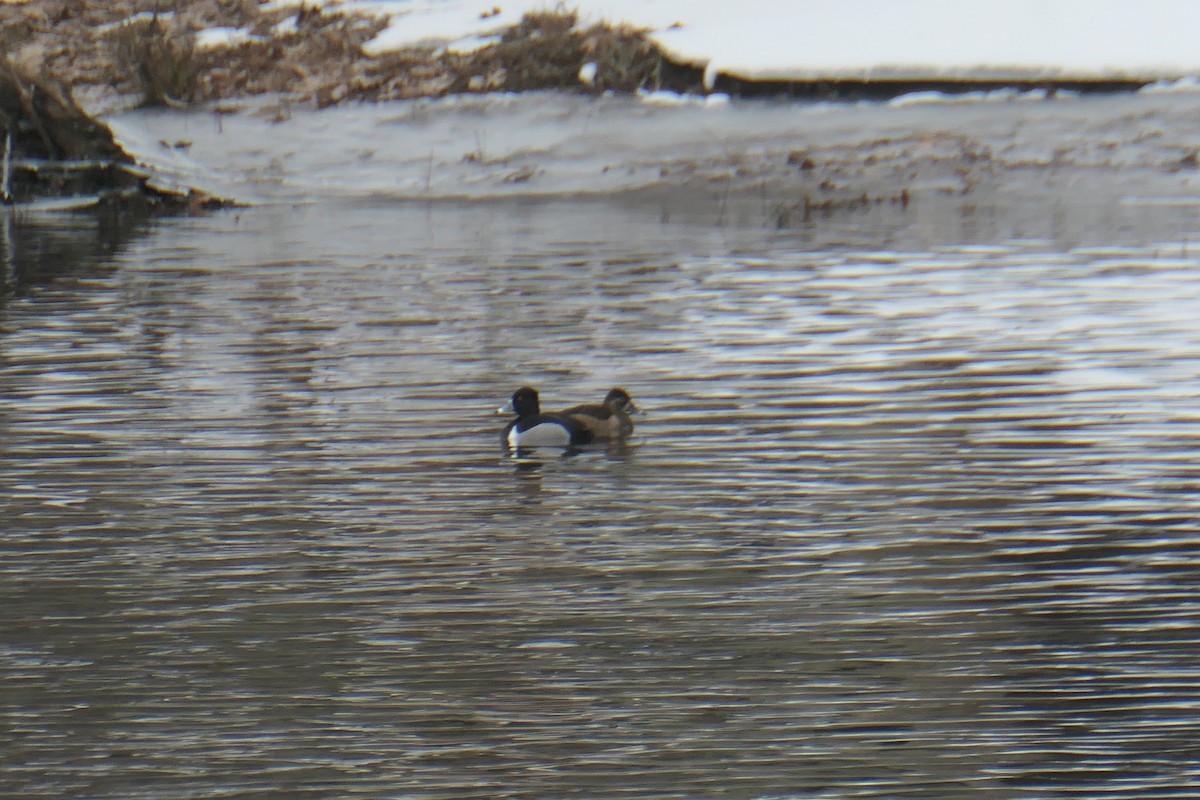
(782, 161)
(51, 148)
(68, 60)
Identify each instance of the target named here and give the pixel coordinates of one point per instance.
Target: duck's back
(603, 422)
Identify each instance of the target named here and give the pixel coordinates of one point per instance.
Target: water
(912, 513)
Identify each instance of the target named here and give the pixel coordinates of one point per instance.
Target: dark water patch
(39, 249)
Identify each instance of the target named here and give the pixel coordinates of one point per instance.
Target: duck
(532, 428)
(608, 420)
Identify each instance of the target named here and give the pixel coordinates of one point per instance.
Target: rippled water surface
(912, 513)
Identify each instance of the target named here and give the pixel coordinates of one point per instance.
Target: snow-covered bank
(1103, 40)
(793, 156)
(255, 73)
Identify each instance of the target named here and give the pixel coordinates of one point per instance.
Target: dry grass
(160, 52)
(546, 50)
(146, 50)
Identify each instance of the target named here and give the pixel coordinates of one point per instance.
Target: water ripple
(902, 520)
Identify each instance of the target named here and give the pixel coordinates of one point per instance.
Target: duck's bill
(507, 408)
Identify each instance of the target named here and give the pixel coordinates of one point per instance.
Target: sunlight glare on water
(911, 511)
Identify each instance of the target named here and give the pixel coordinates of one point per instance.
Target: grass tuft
(546, 50)
(162, 56)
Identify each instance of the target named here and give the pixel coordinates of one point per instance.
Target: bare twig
(6, 170)
(31, 114)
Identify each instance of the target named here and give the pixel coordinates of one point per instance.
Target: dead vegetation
(51, 147)
(547, 50)
(148, 52)
(161, 57)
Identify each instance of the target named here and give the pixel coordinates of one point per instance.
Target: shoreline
(70, 65)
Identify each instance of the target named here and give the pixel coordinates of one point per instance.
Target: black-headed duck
(532, 428)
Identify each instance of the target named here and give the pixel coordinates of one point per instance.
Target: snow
(674, 99)
(995, 95)
(141, 16)
(854, 39)
(223, 37)
(1187, 84)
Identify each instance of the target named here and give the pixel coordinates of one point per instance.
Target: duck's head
(618, 399)
(524, 403)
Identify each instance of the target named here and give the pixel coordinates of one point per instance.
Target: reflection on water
(36, 249)
(912, 512)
